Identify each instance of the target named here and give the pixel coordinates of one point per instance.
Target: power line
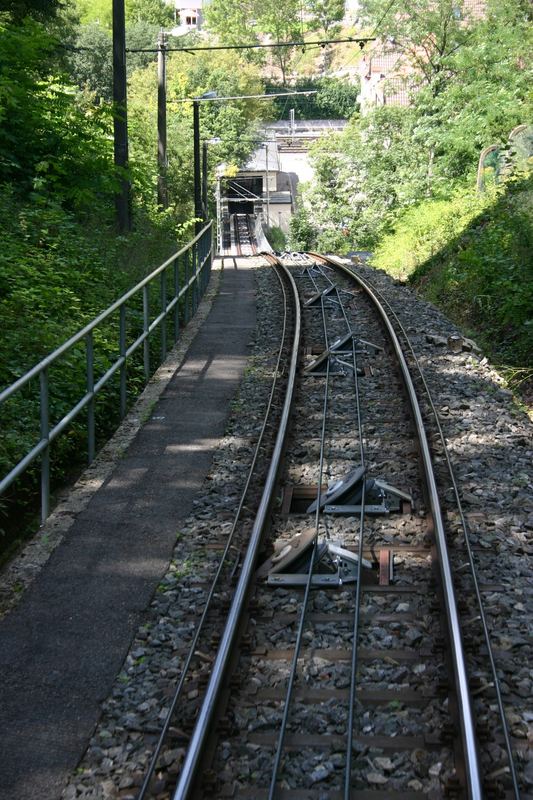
(241, 97)
(361, 40)
(378, 24)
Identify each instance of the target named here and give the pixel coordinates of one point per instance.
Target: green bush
(276, 238)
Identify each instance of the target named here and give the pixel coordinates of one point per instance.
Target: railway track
(337, 643)
(244, 235)
(341, 624)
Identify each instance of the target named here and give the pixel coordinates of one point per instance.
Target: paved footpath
(62, 646)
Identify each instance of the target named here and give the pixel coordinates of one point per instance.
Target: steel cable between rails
(357, 599)
(214, 586)
(466, 529)
(299, 636)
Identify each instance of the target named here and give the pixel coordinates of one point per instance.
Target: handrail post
(164, 320)
(89, 350)
(45, 430)
(188, 289)
(196, 263)
(146, 325)
(122, 355)
(176, 297)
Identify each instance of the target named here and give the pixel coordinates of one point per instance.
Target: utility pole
(204, 181)
(291, 118)
(162, 196)
(267, 185)
(197, 170)
(120, 114)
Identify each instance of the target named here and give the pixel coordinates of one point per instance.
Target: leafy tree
(230, 122)
(92, 65)
(237, 23)
(234, 23)
(335, 98)
(362, 177)
(282, 27)
(155, 11)
(40, 9)
(325, 15)
(427, 34)
(100, 11)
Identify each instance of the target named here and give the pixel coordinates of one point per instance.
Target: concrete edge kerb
(18, 574)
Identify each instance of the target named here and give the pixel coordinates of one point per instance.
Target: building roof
(258, 160)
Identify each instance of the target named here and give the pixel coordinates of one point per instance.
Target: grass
(471, 256)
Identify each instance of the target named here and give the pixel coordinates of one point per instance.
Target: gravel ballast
(489, 440)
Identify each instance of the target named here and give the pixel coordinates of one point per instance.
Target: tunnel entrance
(242, 193)
(240, 207)
(246, 186)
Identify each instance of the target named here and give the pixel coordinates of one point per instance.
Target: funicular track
(341, 671)
(244, 235)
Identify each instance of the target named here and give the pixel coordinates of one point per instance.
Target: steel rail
(188, 774)
(471, 557)
(468, 736)
(358, 581)
(229, 542)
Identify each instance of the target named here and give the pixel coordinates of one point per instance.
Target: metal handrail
(197, 258)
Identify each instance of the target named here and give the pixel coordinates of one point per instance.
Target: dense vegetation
(401, 181)
(62, 260)
(398, 180)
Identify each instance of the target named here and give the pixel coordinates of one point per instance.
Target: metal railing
(189, 270)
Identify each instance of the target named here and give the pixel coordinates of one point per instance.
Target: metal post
(291, 117)
(122, 354)
(120, 113)
(197, 172)
(268, 187)
(146, 325)
(164, 320)
(176, 293)
(204, 182)
(162, 197)
(45, 430)
(219, 215)
(89, 349)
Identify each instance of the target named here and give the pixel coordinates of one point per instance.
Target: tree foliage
(325, 15)
(335, 98)
(477, 90)
(234, 24)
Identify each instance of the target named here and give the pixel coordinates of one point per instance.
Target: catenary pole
(120, 122)
(162, 196)
(197, 167)
(204, 181)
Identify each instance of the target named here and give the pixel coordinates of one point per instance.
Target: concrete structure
(188, 15)
(260, 188)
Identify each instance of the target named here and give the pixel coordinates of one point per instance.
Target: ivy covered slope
(400, 181)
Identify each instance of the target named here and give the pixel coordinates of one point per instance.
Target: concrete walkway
(62, 646)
